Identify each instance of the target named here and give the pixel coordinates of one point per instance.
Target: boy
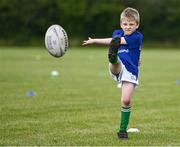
(124, 55)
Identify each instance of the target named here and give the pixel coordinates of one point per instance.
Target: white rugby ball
(56, 40)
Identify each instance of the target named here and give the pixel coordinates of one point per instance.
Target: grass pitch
(81, 105)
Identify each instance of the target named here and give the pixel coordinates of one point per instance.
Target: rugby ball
(56, 40)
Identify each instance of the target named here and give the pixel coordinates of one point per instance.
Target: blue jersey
(129, 53)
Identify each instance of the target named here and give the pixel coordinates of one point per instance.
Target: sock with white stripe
(125, 114)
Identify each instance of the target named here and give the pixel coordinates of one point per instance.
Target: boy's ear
(137, 26)
(120, 24)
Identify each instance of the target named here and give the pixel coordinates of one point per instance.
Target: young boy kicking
(124, 55)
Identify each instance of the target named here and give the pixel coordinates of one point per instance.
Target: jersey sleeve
(134, 40)
(116, 33)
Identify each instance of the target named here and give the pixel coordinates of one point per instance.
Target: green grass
(81, 106)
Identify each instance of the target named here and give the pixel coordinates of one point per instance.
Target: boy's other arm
(105, 41)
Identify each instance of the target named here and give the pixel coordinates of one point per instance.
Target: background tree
(25, 22)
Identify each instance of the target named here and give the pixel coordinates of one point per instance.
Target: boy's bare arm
(105, 41)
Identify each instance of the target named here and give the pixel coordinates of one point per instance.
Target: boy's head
(129, 20)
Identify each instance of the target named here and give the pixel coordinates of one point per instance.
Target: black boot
(113, 49)
(122, 135)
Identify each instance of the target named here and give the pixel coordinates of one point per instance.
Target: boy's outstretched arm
(105, 41)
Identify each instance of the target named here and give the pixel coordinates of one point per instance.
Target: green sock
(125, 114)
(113, 59)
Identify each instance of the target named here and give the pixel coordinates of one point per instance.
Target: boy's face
(128, 26)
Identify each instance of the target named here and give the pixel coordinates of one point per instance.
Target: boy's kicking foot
(113, 49)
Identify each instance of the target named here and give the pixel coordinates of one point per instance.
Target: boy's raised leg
(113, 50)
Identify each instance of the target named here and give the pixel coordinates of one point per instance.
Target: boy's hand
(139, 62)
(89, 41)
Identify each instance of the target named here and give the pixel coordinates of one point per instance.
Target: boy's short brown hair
(131, 14)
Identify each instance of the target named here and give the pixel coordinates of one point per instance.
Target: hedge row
(22, 21)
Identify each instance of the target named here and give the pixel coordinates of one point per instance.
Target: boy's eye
(128, 24)
(125, 24)
(131, 24)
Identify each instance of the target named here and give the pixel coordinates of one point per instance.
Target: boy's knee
(115, 68)
(125, 101)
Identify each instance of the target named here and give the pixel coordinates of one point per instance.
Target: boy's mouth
(128, 31)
